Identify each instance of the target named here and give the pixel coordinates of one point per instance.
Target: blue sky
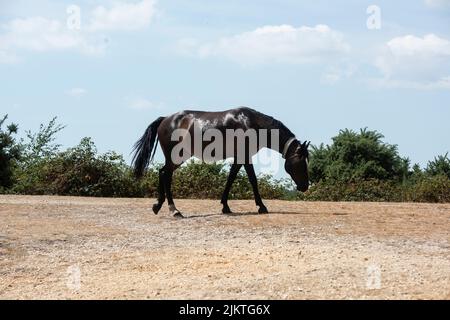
(314, 65)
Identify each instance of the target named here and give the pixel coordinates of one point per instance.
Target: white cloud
(415, 62)
(268, 44)
(123, 16)
(330, 78)
(7, 58)
(335, 74)
(443, 83)
(76, 92)
(40, 34)
(437, 3)
(142, 104)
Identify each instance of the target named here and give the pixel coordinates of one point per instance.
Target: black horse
(175, 133)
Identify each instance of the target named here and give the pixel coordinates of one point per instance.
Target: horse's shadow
(247, 213)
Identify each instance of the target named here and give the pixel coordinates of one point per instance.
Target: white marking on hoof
(174, 210)
(178, 215)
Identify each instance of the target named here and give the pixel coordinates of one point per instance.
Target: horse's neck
(284, 134)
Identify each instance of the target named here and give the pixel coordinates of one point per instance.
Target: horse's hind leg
(231, 176)
(253, 181)
(161, 193)
(168, 188)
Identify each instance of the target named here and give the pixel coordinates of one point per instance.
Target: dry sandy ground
(70, 247)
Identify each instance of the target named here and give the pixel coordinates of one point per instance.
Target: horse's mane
(281, 125)
(276, 124)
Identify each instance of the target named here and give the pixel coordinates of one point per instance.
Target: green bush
(207, 181)
(360, 190)
(355, 167)
(440, 165)
(9, 153)
(80, 171)
(197, 180)
(356, 156)
(430, 189)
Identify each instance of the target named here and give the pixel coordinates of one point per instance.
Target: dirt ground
(86, 248)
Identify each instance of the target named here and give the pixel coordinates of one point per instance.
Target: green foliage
(202, 180)
(429, 189)
(361, 190)
(355, 167)
(36, 152)
(195, 179)
(355, 156)
(439, 166)
(9, 153)
(41, 144)
(81, 171)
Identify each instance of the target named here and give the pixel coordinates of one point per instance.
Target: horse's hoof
(263, 209)
(226, 209)
(178, 215)
(156, 207)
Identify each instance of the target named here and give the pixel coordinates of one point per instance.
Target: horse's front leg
(231, 177)
(253, 181)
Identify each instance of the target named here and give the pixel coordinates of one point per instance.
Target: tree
(36, 149)
(9, 152)
(41, 144)
(357, 156)
(440, 165)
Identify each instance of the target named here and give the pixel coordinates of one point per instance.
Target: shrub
(360, 190)
(430, 189)
(9, 153)
(440, 165)
(41, 145)
(357, 156)
(207, 180)
(198, 180)
(355, 167)
(80, 171)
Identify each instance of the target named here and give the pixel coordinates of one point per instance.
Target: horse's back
(214, 114)
(236, 117)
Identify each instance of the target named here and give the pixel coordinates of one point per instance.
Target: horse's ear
(307, 145)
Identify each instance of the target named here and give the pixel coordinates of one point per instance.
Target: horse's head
(297, 166)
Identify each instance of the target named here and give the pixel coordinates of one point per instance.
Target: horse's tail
(143, 148)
